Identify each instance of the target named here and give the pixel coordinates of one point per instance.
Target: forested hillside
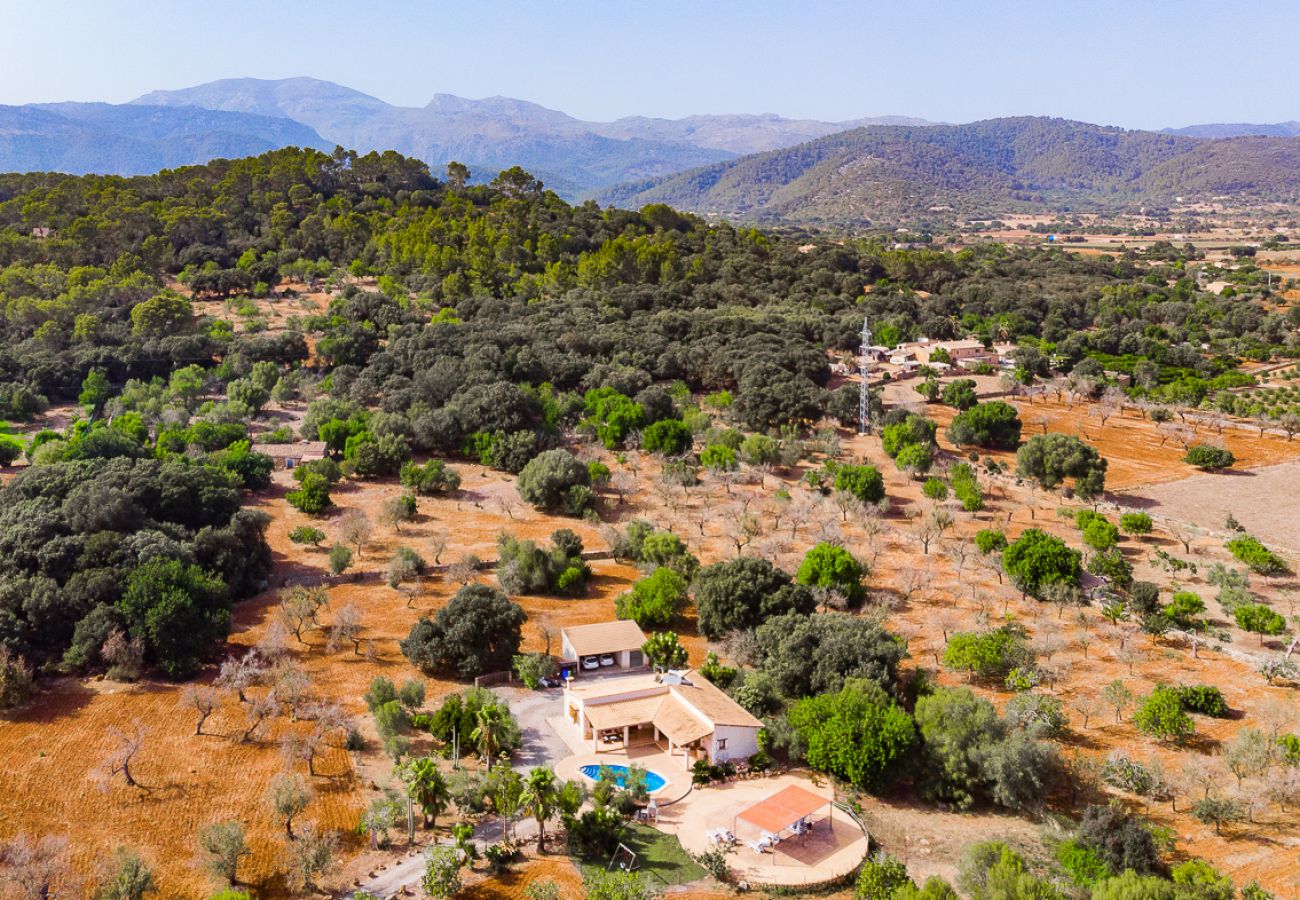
(93, 292)
(888, 174)
(560, 291)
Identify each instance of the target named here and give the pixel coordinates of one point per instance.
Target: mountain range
(246, 116)
(759, 167)
(572, 156)
(895, 174)
(1237, 129)
(82, 138)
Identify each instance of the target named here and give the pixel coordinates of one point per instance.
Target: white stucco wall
(742, 742)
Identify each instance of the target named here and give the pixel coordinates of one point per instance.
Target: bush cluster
(1204, 699)
(1256, 556)
(995, 426)
(525, 568)
(908, 439)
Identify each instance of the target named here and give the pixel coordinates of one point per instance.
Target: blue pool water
(653, 780)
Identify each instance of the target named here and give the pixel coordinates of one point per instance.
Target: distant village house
(287, 456)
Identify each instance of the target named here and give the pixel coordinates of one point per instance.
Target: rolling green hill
(892, 174)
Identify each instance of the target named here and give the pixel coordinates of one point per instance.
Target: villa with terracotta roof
(680, 711)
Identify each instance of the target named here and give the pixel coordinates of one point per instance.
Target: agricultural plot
(271, 314)
(1272, 402)
(52, 753)
(1138, 452)
(1252, 497)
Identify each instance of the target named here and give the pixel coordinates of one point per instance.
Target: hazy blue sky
(1137, 63)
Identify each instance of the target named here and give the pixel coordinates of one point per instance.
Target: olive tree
(1037, 559)
(1051, 458)
(223, 846)
(550, 480)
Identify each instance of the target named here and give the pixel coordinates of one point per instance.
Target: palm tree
(491, 720)
(540, 799)
(427, 787)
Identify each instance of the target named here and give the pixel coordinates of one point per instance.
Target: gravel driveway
(542, 746)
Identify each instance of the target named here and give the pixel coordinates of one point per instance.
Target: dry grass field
(1137, 452)
(48, 753)
(274, 313)
(1259, 498)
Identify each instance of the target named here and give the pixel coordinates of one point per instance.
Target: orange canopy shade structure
(784, 808)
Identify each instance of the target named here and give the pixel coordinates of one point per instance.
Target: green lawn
(660, 857)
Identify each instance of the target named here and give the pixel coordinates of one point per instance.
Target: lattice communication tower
(864, 367)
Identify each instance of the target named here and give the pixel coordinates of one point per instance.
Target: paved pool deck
(834, 847)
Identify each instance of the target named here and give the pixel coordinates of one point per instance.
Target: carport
(621, 640)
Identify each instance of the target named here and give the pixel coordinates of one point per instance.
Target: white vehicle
(590, 663)
(607, 659)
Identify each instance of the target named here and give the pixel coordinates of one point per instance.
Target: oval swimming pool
(653, 780)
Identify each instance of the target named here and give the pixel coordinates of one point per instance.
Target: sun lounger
(760, 846)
